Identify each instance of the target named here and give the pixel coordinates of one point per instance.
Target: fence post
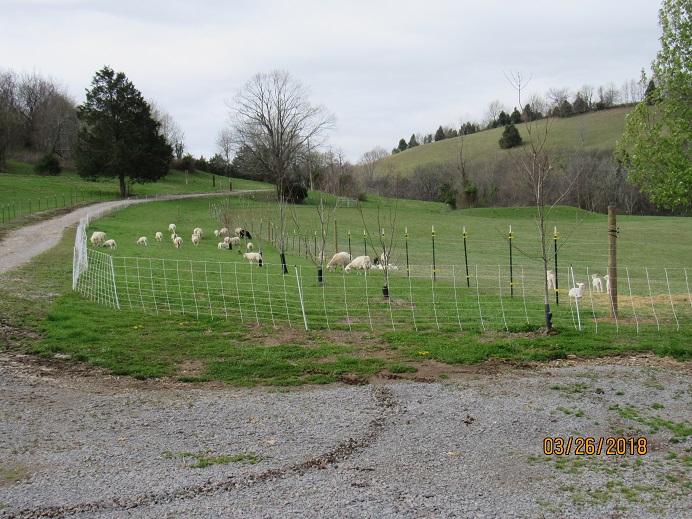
(349, 243)
(365, 244)
(433, 254)
(511, 274)
(336, 239)
(555, 238)
(300, 294)
(612, 261)
(466, 260)
(576, 299)
(408, 268)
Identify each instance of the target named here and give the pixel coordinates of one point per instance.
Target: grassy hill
(597, 130)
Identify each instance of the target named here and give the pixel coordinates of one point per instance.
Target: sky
(385, 69)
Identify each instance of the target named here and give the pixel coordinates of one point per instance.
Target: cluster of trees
(557, 102)
(37, 117)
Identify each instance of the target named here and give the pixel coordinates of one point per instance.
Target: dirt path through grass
(22, 245)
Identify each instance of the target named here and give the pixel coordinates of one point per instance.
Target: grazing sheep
(223, 232)
(254, 256)
(159, 236)
(198, 231)
(340, 259)
(195, 239)
(142, 241)
(227, 239)
(171, 228)
(578, 291)
(249, 246)
(607, 280)
(391, 267)
(110, 244)
(98, 238)
(550, 278)
(359, 263)
(233, 240)
(597, 283)
(216, 232)
(178, 242)
(242, 233)
(223, 245)
(173, 236)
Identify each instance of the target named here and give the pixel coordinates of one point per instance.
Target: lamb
(198, 231)
(237, 231)
(159, 236)
(142, 241)
(254, 256)
(233, 240)
(550, 278)
(597, 283)
(249, 246)
(223, 232)
(171, 227)
(97, 238)
(607, 280)
(578, 291)
(174, 236)
(359, 263)
(391, 267)
(110, 244)
(227, 239)
(195, 239)
(216, 232)
(340, 259)
(223, 245)
(178, 242)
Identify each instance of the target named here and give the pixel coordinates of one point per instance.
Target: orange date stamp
(588, 446)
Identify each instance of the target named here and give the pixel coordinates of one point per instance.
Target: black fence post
(433, 254)
(511, 276)
(408, 267)
(555, 238)
(466, 260)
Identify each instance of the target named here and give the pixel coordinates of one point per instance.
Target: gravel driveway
(469, 446)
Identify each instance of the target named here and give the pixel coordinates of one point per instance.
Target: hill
(594, 130)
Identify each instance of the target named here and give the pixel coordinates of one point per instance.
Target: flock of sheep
(98, 239)
(578, 291)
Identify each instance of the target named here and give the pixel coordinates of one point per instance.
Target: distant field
(598, 129)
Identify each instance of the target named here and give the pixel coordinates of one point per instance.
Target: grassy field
(598, 129)
(43, 316)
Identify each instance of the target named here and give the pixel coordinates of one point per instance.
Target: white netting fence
(442, 297)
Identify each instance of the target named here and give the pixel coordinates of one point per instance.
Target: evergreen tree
(510, 137)
(440, 134)
(120, 138)
(412, 143)
(651, 94)
(515, 118)
(402, 145)
(503, 119)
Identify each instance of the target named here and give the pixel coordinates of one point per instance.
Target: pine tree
(510, 137)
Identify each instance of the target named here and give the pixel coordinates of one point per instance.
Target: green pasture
(599, 130)
(205, 337)
(22, 191)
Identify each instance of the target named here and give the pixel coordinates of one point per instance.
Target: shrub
(510, 137)
(48, 165)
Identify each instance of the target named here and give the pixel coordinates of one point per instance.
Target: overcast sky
(385, 69)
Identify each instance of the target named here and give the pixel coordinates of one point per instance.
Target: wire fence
(649, 298)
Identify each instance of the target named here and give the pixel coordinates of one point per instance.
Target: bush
(48, 165)
(510, 137)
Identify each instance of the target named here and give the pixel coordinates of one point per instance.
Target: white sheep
(223, 232)
(254, 256)
(142, 241)
(391, 267)
(223, 245)
(110, 244)
(237, 231)
(173, 236)
(359, 263)
(597, 283)
(216, 232)
(607, 280)
(233, 240)
(198, 231)
(171, 227)
(550, 278)
(578, 291)
(178, 242)
(195, 239)
(97, 238)
(159, 236)
(340, 259)
(227, 239)
(249, 246)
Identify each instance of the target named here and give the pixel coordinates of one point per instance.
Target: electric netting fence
(445, 297)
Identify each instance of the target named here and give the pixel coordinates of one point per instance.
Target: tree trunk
(123, 187)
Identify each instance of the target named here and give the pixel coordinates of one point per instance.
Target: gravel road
(469, 446)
